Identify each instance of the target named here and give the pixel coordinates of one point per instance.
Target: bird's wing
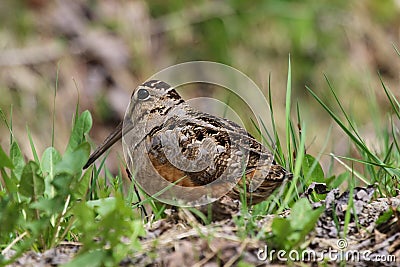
(221, 142)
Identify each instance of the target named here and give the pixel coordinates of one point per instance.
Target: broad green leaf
(80, 187)
(302, 214)
(73, 161)
(107, 220)
(5, 161)
(50, 206)
(50, 158)
(291, 231)
(18, 159)
(10, 184)
(312, 169)
(299, 213)
(85, 216)
(85, 223)
(302, 220)
(281, 229)
(8, 215)
(280, 226)
(62, 182)
(38, 226)
(32, 183)
(385, 217)
(138, 230)
(103, 206)
(82, 126)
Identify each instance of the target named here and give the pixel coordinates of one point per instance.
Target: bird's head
(148, 107)
(151, 101)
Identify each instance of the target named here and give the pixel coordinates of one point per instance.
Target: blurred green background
(102, 50)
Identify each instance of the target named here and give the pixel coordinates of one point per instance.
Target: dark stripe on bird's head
(172, 94)
(156, 84)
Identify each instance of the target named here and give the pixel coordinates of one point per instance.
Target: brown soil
(180, 240)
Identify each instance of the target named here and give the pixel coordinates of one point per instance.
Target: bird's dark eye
(143, 94)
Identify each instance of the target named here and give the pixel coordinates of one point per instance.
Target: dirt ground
(180, 240)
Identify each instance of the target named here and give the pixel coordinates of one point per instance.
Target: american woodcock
(165, 137)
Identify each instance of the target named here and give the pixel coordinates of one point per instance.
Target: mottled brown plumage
(192, 148)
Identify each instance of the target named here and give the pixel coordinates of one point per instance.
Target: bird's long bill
(110, 140)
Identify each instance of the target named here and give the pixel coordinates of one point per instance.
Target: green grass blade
(5, 161)
(338, 121)
(342, 109)
(392, 99)
(54, 105)
(276, 136)
(299, 121)
(288, 105)
(296, 173)
(317, 159)
(351, 170)
(268, 142)
(277, 148)
(388, 153)
(350, 206)
(77, 103)
(382, 165)
(353, 137)
(155, 195)
(394, 135)
(11, 124)
(293, 138)
(5, 121)
(35, 155)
